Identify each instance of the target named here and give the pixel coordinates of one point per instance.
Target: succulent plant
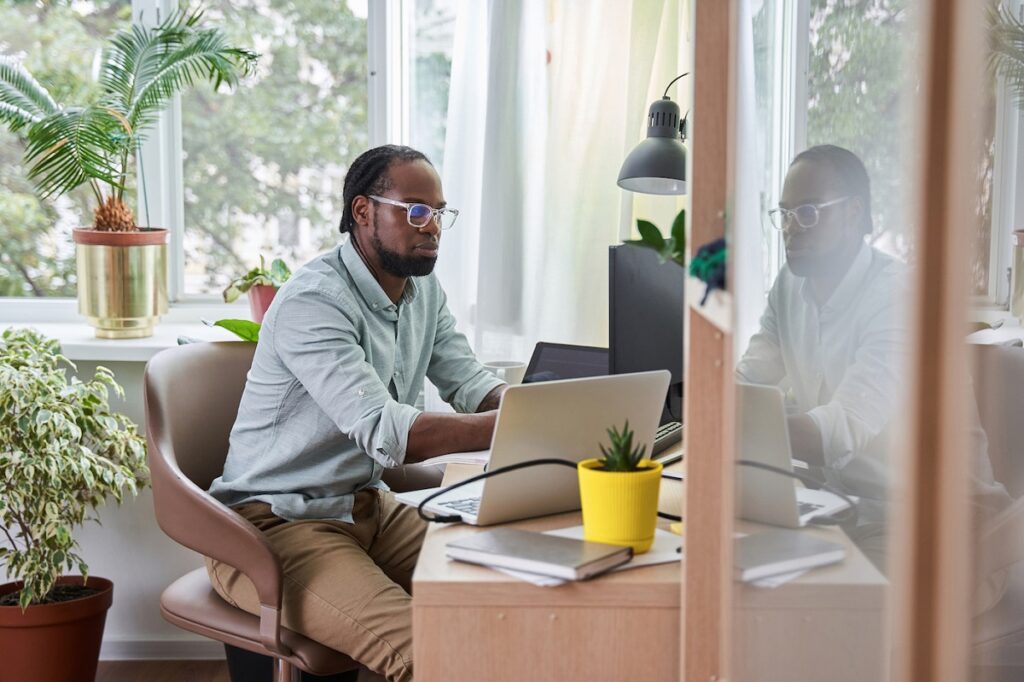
(621, 455)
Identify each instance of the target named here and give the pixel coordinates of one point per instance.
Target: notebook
(523, 550)
(782, 551)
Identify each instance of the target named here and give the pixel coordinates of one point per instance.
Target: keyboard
(468, 505)
(807, 507)
(667, 435)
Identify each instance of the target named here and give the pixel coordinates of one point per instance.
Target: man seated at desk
(328, 406)
(834, 336)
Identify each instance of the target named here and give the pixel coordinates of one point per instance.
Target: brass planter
(122, 280)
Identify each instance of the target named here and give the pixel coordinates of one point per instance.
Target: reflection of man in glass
(832, 335)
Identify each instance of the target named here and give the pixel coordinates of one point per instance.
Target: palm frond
(205, 55)
(74, 146)
(1006, 42)
(23, 100)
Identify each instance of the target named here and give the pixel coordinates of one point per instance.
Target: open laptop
(556, 361)
(766, 496)
(561, 419)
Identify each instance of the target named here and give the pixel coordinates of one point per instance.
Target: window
(59, 42)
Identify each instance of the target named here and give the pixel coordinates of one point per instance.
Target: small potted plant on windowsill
(619, 493)
(121, 267)
(62, 453)
(261, 284)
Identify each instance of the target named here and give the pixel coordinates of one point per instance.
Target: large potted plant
(122, 268)
(62, 453)
(619, 493)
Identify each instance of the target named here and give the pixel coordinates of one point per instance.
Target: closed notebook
(782, 551)
(523, 550)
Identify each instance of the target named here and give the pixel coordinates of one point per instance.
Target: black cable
(673, 81)
(807, 478)
(452, 518)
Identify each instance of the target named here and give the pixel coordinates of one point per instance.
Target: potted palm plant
(62, 453)
(619, 493)
(122, 268)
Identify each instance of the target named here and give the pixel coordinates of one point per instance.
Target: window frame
(389, 31)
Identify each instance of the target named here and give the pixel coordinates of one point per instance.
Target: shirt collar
(850, 285)
(369, 287)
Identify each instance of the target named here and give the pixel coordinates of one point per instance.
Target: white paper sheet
(473, 457)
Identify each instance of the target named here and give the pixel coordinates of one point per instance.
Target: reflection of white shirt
(840, 362)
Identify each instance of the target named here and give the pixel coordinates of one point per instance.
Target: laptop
(555, 361)
(562, 419)
(766, 496)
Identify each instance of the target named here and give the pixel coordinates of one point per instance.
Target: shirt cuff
(835, 441)
(395, 421)
(469, 396)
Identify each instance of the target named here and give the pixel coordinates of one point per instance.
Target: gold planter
(122, 280)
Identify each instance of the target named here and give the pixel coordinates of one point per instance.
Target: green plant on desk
(619, 493)
(671, 248)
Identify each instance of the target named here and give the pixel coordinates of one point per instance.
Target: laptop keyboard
(468, 505)
(666, 435)
(807, 508)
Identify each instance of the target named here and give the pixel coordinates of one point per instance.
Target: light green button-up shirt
(328, 403)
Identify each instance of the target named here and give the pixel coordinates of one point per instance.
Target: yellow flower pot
(620, 507)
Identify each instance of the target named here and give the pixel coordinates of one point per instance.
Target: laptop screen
(552, 361)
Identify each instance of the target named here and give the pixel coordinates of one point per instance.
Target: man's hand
(493, 399)
(805, 439)
(435, 433)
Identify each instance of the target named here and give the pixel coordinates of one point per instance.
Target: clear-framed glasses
(806, 216)
(420, 215)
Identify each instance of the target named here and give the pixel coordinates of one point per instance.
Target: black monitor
(645, 318)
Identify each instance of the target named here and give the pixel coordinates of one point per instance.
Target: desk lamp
(658, 164)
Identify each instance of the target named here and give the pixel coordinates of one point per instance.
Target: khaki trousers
(345, 585)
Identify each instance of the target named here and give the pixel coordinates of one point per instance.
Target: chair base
(246, 666)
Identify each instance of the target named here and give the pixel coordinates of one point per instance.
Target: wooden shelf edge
(717, 309)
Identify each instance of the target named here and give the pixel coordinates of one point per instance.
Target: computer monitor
(645, 318)
(554, 361)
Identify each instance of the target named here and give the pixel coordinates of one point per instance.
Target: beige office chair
(192, 394)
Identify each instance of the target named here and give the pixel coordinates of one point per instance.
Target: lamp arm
(673, 81)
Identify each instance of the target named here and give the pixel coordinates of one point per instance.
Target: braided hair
(851, 172)
(368, 174)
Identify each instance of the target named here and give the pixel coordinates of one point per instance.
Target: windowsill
(78, 340)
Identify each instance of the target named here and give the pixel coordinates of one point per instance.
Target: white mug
(509, 371)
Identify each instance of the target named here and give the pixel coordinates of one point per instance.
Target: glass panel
(432, 66)
(264, 165)
(59, 43)
(994, 404)
(821, 369)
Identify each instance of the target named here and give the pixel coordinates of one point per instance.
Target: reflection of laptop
(766, 496)
(554, 361)
(561, 419)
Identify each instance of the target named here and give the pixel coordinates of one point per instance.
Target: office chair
(192, 394)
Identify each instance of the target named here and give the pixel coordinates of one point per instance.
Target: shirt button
(362, 392)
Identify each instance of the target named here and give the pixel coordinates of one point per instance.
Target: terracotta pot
(260, 297)
(54, 642)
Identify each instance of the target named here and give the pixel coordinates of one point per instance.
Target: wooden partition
(709, 414)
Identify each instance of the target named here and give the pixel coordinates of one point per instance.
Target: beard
(398, 265)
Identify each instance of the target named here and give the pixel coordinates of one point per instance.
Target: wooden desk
(473, 624)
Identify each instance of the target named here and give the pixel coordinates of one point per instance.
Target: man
(328, 406)
(835, 337)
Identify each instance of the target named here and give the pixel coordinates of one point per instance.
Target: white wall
(129, 549)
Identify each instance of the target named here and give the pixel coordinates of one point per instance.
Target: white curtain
(546, 100)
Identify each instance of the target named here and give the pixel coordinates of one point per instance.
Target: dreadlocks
(368, 174)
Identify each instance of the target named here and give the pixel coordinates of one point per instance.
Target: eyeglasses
(806, 216)
(420, 215)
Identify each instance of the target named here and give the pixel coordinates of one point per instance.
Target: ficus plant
(621, 455)
(671, 248)
(63, 452)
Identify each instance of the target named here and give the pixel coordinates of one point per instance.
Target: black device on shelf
(645, 318)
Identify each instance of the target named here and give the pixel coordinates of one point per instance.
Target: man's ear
(855, 213)
(361, 210)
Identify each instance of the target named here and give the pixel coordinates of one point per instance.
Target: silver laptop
(765, 496)
(561, 419)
